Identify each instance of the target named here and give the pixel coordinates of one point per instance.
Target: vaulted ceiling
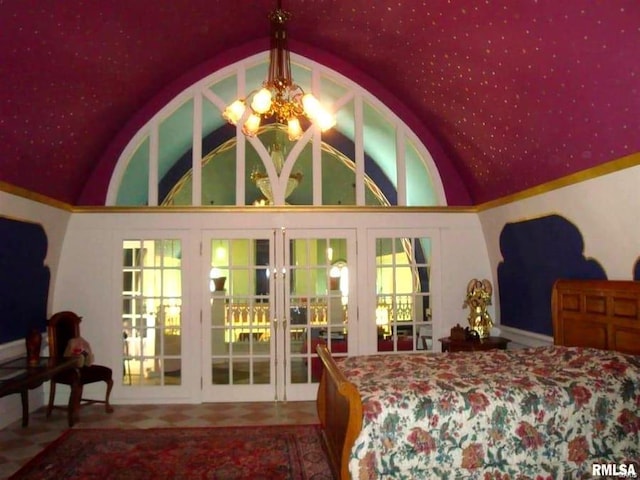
(506, 94)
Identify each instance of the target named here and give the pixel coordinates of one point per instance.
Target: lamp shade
(233, 113)
(311, 105)
(252, 125)
(294, 129)
(261, 102)
(325, 120)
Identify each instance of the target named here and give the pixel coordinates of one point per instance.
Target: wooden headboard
(597, 313)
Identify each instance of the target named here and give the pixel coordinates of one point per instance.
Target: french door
(271, 296)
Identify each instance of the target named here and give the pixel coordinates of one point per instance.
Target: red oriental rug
(288, 452)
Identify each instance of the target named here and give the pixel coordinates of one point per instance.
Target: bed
(403, 343)
(544, 412)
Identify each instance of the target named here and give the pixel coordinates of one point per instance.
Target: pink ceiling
(514, 92)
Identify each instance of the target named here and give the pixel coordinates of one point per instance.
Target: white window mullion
(317, 166)
(359, 149)
(154, 149)
(196, 151)
(241, 145)
(401, 168)
(241, 148)
(316, 150)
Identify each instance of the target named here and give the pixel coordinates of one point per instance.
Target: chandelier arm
(250, 94)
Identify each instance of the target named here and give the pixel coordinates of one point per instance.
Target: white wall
(85, 260)
(89, 278)
(605, 209)
(54, 221)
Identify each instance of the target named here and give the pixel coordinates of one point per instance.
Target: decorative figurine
(478, 299)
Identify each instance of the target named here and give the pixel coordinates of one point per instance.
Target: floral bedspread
(542, 413)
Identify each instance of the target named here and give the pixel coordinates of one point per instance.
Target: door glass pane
(220, 371)
(403, 313)
(241, 374)
(151, 312)
(240, 312)
(318, 300)
(262, 371)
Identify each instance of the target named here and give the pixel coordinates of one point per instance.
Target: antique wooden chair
(62, 327)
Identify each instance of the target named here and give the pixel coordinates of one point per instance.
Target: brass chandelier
(280, 97)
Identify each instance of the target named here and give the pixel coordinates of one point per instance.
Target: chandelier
(279, 98)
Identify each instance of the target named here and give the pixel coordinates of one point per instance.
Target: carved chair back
(62, 327)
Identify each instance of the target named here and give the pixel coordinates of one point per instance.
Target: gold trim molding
(572, 179)
(623, 163)
(36, 197)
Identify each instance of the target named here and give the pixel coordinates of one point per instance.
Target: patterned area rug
(261, 452)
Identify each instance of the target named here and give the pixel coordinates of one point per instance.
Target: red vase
(34, 342)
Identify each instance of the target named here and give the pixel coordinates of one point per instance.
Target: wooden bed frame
(586, 313)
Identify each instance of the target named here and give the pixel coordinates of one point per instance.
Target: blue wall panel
(536, 253)
(24, 279)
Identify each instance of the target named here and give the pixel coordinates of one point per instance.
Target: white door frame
(280, 386)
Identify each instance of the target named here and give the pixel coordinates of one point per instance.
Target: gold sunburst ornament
(478, 299)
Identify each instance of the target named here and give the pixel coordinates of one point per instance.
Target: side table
(17, 376)
(488, 343)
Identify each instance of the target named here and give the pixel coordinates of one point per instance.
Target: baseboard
(12, 349)
(524, 339)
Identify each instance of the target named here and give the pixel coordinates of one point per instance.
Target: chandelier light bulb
(252, 125)
(261, 101)
(325, 120)
(294, 129)
(233, 113)
(311, 105)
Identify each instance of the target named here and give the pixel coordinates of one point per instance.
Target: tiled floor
(18, 445)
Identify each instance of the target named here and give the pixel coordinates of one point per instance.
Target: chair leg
(107, 407)
(52, 395)
(75, 400)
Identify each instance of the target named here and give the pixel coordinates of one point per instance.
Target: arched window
(188, 155)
